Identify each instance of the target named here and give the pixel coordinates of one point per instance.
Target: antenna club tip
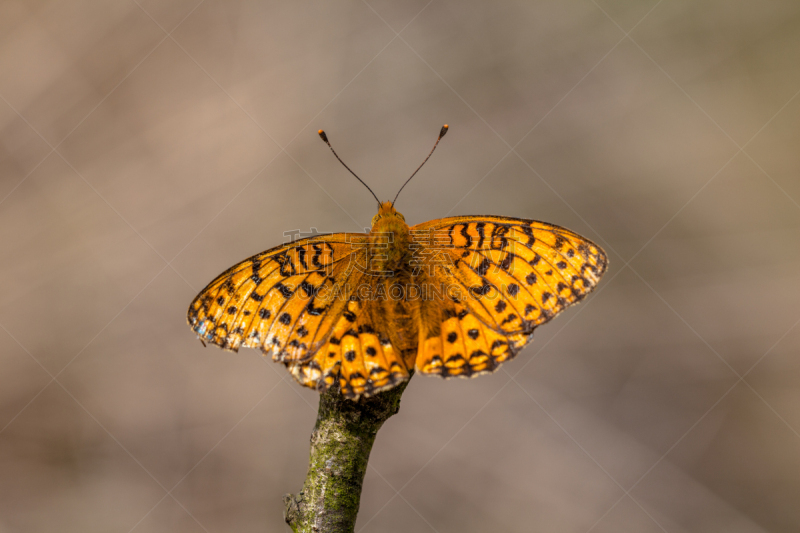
(323, 136)
(443, 130)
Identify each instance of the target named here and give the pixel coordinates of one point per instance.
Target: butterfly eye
(375, 219)
(401, 217)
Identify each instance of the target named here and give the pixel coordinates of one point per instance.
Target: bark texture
(340, 445)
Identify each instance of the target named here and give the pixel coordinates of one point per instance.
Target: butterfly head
(389, 221)
(387, 216)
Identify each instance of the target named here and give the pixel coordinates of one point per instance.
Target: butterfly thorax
(389, 241)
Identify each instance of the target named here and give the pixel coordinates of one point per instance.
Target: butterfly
(453, 297)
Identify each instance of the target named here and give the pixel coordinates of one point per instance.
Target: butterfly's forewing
(268, 299)
(294, 302)
(503, 277)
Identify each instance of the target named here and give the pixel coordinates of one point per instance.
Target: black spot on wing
(314, 311)
(301, 256)
(483, 268)
(308, 288)
(510, 318)
(479, 227)
(481, 290)
(526, 229)
(499, 239)
(315, 258)
(466, 236)
(285, 291)
(287, 267)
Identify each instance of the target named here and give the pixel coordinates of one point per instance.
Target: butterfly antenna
(325, 138)
(441, 134)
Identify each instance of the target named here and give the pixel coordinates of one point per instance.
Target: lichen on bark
(340, 446)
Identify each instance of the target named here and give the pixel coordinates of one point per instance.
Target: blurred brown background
(145, 146)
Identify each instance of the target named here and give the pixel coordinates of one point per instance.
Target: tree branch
(340, 446)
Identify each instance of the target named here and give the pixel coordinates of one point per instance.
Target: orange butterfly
(455, 296)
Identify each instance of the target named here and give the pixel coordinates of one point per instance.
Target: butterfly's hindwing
(361, 359)
(464, 346)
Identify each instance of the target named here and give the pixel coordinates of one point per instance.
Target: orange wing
(361, 358)
(294, 303)
(502, 277)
